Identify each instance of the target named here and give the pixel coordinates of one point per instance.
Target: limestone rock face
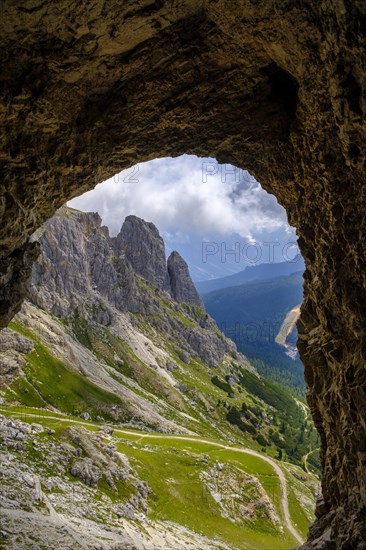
(78, 270)
(11, 340)
(182, 288)
(12, 348)
(140, 243)
(81, 268)
(86, 471)
(276, 88)
(83, 272)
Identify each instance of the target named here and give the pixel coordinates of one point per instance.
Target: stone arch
(277, 88)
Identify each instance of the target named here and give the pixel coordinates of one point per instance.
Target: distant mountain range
(255, 302)
(252, 315)
(253, 273)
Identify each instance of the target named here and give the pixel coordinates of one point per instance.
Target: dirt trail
(287, 325)
(275, 466)
(270, 461)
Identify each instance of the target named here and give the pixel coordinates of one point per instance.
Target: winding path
(275, 466)
(270, 461)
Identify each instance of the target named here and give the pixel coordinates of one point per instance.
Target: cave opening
(225, 226)
(210, 211)
(222, 222)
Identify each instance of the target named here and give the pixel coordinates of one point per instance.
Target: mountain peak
(141, 244)
(182, 288)
(142, 224)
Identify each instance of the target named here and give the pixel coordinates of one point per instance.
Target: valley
(255, 314)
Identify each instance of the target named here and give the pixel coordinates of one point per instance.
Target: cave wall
(276, 87)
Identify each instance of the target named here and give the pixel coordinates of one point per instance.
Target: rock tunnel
(275, 87)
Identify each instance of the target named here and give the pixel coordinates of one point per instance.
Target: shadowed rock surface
(276, 88)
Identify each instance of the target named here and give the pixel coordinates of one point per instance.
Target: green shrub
(225, 386)
(234, 417)
(262, 440)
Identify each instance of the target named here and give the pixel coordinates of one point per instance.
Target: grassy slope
(172, 469)
(48, 381)
(271, 422)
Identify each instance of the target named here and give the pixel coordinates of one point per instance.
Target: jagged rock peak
(77, 267)
(79, 274)
(141, 244)
(182, 288)
(78, 257)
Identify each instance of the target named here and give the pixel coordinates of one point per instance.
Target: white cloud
(186, 195)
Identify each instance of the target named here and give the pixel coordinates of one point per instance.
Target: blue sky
(193, 202)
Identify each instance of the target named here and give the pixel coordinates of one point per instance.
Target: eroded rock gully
(275, 87)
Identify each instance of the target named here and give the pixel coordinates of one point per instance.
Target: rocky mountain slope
(101, 305)
(82, 267)
(114, 337)
(114, 330)
(90, 486)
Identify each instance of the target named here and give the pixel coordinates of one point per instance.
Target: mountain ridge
(253, 273)
(253, 314)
